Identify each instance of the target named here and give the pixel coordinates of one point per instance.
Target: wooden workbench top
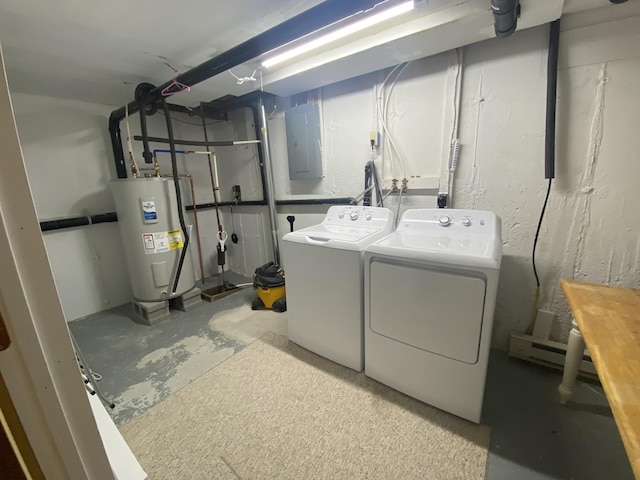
(609, 319)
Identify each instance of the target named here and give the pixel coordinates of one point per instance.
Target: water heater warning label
(156, 242)
(175, 239)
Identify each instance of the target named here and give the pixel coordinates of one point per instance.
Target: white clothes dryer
(430, 292)
(324, 275)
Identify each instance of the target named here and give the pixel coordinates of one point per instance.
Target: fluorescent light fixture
(339, 33)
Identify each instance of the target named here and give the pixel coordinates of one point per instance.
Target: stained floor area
(533, 436)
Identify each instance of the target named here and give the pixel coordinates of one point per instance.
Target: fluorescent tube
(339, 33)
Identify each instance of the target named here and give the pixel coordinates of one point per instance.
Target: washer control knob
(466, 221)
(444, 221)
(341, 215)
(368, 216)
(354, 215)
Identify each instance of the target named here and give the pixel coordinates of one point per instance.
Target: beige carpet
(278, 411)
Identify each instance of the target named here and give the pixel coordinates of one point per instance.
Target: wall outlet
(544, 322)
(374, 138)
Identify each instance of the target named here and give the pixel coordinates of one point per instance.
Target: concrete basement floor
(533, 436)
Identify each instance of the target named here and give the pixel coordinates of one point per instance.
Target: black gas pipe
(176, 183)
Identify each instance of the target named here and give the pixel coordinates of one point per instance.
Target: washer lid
(337, 236)
(453, 237)
(348, 227)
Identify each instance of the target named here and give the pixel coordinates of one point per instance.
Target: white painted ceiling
(99, 51)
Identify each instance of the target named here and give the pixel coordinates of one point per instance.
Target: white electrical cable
(241, 80)
(382, 110)
(379, 108)
(393, 84)
(455, 142)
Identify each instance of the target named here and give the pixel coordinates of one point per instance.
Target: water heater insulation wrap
(150, 228)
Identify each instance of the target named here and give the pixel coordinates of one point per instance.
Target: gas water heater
(153, 240)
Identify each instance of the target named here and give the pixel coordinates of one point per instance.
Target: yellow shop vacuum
(268, 282)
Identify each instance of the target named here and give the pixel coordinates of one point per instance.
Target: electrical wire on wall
(382, 107)
(549, 150)
(394, 154)
(454, 148)
(529, 329)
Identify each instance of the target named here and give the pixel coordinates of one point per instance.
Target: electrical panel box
(304, 142)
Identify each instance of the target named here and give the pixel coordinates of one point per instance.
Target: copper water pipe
(195, 213)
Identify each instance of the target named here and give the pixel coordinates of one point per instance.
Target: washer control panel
(358, 215)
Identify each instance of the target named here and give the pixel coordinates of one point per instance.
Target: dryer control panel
(448, 235)
(437, 219)
(356, 215)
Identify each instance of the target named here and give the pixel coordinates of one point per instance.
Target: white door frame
(39, 367)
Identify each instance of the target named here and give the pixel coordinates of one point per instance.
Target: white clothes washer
(430, 293)
(324, 275)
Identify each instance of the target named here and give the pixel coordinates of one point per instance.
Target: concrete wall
(590, 231)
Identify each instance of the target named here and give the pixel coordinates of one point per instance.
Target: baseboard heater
(547, 352)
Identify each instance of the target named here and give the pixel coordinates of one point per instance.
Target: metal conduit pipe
(269, 195)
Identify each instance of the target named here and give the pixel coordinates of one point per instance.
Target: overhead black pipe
(104, 218)
(319, 201)
(116, 145)
(193, 143)
(307, 201)
(207, 206)
(505, 16)
(552, 89)
(70, 222)
(142, 95)
(326, 13)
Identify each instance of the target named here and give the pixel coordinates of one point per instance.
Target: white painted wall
(65, 145)
(590, 231)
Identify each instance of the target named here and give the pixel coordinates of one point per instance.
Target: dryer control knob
(368, 216)
(354, 215)
(466, 221)
(444, 221)
(341, 215)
